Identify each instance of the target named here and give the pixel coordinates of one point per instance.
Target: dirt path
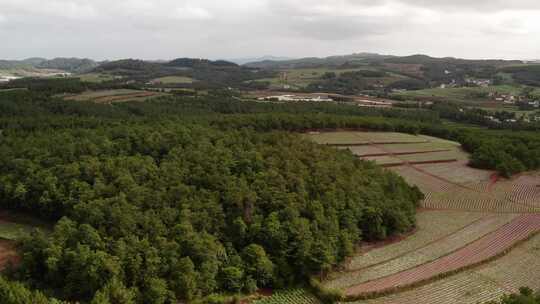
(484, 249)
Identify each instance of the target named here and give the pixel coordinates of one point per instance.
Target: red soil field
(490, 246)
(8, 253)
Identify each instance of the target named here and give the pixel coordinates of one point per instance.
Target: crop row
(354, 138)
(457, 172)
(425, 182)
(485, 248)
(520, 267)
(431, 226)
(291, 296)
(468, 287)
(468, 200)
(425, 254)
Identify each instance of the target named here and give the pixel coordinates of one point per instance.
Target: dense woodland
(159, 210)
(179, 198)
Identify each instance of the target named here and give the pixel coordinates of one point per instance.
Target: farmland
(173, 80)
(479, 285)
(292, 296)
(422, 255)
(363, 138)
(111, 96)
(97, 77)
(484, 248)
(470, 216)
(301, 78)
(464, 94)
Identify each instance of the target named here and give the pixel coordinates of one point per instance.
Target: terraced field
(425, 254)
(346, 138)
(110, 96)
(480, 250)
(470, 217)
(482, 284)
(431, 227)
(292, 296)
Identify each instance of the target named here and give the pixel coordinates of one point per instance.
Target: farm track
(486, 248)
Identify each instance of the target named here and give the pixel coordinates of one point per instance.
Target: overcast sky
(165, 29)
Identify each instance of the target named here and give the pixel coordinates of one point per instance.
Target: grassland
(110, 96)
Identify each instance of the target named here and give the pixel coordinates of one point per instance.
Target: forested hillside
(160, 210)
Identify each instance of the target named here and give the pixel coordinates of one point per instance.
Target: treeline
(500, 149)
(525, 74)
(54, 86)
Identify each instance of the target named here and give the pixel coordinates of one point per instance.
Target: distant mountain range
(367, 59)
(242, 61)
(72, 65)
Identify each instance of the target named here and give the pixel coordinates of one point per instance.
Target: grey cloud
(105, 29)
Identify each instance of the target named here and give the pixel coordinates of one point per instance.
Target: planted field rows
(508, 196)
(109, 96)
(425, 254)
(457, 172)
(480, 285)
(293, 296)
(431, 226)
(524, 189)
(483, 249)
(469, 200)
(469, 288)
(363, 138)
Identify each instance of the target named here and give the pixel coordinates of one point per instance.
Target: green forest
(182, 198)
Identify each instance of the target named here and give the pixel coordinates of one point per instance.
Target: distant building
(296, 98)
(535, 104)
(374, 103)
(479, 82)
